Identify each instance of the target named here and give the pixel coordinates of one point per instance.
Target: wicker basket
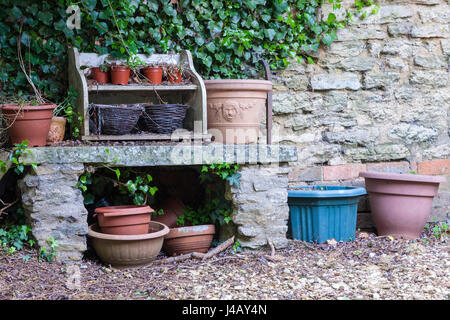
(114, 119)
(164, 118)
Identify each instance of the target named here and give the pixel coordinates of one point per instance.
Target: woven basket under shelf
(115, 119)
(164, 118)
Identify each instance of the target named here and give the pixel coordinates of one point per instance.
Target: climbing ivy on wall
(226, 37)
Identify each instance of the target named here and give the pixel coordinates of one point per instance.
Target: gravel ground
(368, 268)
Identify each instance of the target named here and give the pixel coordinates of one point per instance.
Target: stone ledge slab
(173, 155)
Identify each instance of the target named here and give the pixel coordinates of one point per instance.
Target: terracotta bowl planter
(124, 220)
(99, 75)
(173, 207)
(57, 130)
(30, 123)
(189, 239)
(128, 250)
(400, 203)
(235, 109)
(153, 74)
(120, 75)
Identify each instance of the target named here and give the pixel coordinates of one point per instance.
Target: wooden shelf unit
(193, 94)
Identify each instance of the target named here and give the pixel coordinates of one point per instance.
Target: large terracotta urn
(400, 204)
(235, 109)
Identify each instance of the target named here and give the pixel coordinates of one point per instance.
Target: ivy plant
(227, 38)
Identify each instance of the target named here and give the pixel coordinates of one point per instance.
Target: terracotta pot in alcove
(173, 207)
(189, 239)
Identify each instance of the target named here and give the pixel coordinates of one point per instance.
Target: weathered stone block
(346, 49)
(354, 33)
(380, 80)
(387, 14)
(445, 44)
(331, 81)
(430, 62)
(411, 133)
(357, 64)
(354, 136)
(432, 78)
(384, 152)
(400, 29)
(437, 14)
(430, 31)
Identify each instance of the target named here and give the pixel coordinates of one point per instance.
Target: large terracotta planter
(57, 130)
(173, 208)
(128, 250)
(235, 109)
(124, 220)
(400, 203)
(30, 123)
(189, 239)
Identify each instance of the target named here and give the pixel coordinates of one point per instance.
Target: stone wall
(379, 94)
(54, 208)
(261, 211)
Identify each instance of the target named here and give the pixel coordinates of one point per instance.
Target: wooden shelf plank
(140, 87)
(149, 136)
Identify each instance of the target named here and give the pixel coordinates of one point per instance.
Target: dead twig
(219, 248)
(198, 255)
(272, 256)
(7, 205)
(182, 257)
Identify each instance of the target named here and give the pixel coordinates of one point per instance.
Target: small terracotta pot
(173, 207)
(123, 251)
(153, 74)
(235, 109)
(57, 130)
(400, 204)
(176, 78)
(124, 220)
(99, 75)
(189, 239)
(120, 74)
(30, 123)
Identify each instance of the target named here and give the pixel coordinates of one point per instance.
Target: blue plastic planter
(319, 213)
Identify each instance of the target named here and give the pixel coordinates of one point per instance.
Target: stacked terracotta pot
(125, 236)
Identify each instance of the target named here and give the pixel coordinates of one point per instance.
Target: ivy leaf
(269, 33)
(91, 4)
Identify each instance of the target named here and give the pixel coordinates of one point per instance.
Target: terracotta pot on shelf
(124, 220)
(174, 78)
(123, 251)
(153, 74)
(189, 239)
(31, 123)
(173, 207)
(120, 74)
(400, 204)
(235, 109)
(99, 75)
(57, 130)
